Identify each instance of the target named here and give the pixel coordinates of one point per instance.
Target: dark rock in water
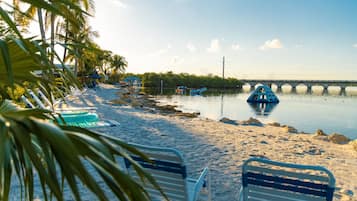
(338, 138)
(320, 135)
(290, 129)
(251, 122)
(228, 121)
(320, 132)
(190, 115)
(276, 124)
(168, 107)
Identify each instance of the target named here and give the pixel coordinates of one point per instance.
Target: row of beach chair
(262, 179)
(74, 116)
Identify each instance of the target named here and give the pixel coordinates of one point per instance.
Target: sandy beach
(222, 147)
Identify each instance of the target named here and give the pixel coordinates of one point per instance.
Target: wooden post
(223, 69)
(224, 84)
(161, 86)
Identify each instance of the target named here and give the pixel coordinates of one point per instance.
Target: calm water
(306, 112)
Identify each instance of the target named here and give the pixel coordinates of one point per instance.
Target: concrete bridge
(343, 84)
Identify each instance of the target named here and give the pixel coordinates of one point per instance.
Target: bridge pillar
(325, 91)
(293, 88)
(309, 89)
(279, 87)
(343, 90)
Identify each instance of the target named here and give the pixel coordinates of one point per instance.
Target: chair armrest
(203, 180)
(240, 194)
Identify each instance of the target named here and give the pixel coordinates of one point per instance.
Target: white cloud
(355, 45)
(236, 46)
(272, 44)
(119, 3)
(215, 46)
(191, 47)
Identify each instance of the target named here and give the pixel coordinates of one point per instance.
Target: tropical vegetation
(172, 80)
(32, 147)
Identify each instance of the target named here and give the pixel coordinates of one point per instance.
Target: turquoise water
(306, 112)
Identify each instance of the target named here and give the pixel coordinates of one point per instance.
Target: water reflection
(221, 105)
(262, 109)
(331, 112)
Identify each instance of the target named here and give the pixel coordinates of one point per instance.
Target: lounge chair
(43, 102)
(168, 168)
(266, 180)
(79, 118)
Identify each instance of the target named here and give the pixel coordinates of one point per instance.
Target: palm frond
(29, 144)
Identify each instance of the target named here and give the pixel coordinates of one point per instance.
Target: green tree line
(172, 80)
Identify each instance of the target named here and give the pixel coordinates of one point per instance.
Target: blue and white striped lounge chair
(266, 180)
(168, 168)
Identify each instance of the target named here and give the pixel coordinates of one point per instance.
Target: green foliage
(172, 80)
(114, 78)
(20, 59)
(29, 144)
(118, 64)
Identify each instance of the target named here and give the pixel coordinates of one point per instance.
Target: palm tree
(118, 63)
(104, 57)
(88, 6)
(55, 11)
(80, 47)
(31, 144)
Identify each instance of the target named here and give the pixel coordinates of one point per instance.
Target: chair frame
(41, 100)
(57, 114)
(171, 161)
(261, 183)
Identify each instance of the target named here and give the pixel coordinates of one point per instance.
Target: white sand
(223, 147)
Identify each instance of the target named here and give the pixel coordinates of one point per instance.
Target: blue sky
(275, 39)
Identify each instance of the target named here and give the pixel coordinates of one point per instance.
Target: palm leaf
(29, 144)
(5, 16)
(56, 8)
